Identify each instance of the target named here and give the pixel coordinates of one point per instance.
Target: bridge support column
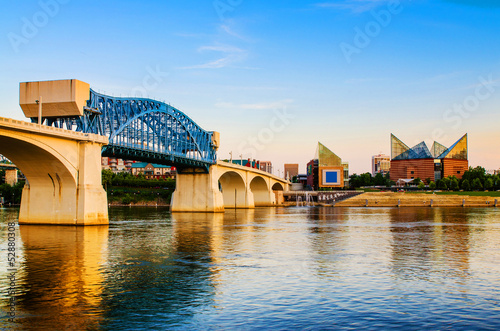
(92, 200)
(56, 198)
(197, 192)
(249, 199)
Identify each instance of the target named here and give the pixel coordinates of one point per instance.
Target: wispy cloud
(231, 54)
(355, 6)
(228, 30)
(255, 106)
(228, 55)
(221, 48)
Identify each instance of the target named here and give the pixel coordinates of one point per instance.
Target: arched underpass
(63, 172)
(261, 194)
(233, 190)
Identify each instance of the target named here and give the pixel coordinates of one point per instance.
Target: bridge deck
(261, 172)
(12, 124)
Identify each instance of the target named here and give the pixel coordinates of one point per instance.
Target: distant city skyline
(274, 78)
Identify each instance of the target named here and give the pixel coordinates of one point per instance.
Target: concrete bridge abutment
(63, 173)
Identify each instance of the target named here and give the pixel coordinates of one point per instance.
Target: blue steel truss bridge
(143, 130)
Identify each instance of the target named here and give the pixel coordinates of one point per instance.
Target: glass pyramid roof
(397, 146)
(400, 151)
(457, 151)
(326, 157)
(419, 151)
(437, 149)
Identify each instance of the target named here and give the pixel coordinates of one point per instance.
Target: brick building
(152, 170)
(420, 162)
(291, 170)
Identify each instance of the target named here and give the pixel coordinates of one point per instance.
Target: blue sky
(276, 77)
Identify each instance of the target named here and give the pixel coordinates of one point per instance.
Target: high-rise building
(291, 170)
(420, 162)
(381, 163)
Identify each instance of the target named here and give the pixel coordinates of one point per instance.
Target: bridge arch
(62, 171)
(277, 187)
(260, 190)
(143, 129)
(39, 162)
(157, 130)
(233, 188)
(148, 129)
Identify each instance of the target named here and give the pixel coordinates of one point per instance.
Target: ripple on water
(295, 268)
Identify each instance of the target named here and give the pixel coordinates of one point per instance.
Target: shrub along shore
(127, 189)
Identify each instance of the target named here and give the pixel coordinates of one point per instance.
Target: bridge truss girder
(143, 130)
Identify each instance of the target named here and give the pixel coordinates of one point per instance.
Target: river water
(269, 268)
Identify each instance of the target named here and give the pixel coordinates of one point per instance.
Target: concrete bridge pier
(196, 191)
(55, 198)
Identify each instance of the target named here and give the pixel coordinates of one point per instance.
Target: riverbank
(373, 199)
(392, 199)
(139, 204)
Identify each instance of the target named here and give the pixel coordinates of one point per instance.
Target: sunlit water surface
(284, 268)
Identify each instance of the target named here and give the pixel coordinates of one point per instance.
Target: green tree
(496, 182)
(107, 178)
(438, 182)
(432, 185)
(366, 179)
(447, 182)
(465, 185)
(354, 181)
(12, 194)
(488, 184)
(454, 184)
(379, 179)
(427, 180)
(476, 184)
(421, 186)
(442, 185)
(417, 181)
(473, 173)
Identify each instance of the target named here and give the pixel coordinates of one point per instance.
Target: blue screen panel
(331, 177)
